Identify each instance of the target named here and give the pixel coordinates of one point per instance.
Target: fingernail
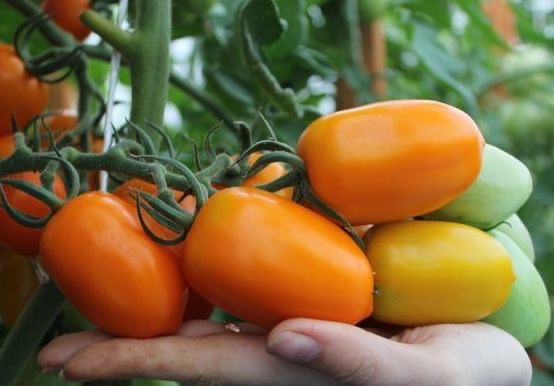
(294, 347)
(61, 375)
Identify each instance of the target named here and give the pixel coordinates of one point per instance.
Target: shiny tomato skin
(429, 272)
(22, 239)
(66, 14)
(97, 253)
(391, 160)
(21, 93)
(18, 283)
(265, 258)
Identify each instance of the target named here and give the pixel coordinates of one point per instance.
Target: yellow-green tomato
(526, 313)
(429, 272)
(503, 186)
(517, 231)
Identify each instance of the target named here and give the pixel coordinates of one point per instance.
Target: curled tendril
(268, 144)
(143, 138)
(70, 173)
(295, 162)
(140, 206)
(309, 195)
(42, 194)
(198, 190)
(53, 60)
(208, 139)
(165, 139)
(292, 178)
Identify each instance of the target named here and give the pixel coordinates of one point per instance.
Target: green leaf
(292, 11)
(478, 19)
(252, 34)
(262, 20)
(542, 378)
(439, 63)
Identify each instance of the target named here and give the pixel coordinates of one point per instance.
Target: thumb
(351, 355)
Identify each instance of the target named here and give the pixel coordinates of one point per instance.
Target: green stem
(149, 63)
(116, 37)
(24, 338)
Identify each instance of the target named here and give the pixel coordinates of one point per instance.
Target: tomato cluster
(416, 177)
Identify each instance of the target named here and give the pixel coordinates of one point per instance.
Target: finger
(225, 358)
(352, 355)
(54, 354)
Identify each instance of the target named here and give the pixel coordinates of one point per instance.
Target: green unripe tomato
(526, 313)
(371, 10)
(503, 186)
(514, 228)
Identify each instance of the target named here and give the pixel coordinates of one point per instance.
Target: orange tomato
(97, 253)
(59, 123)
(18, 283)
(264, 259)
(391, 160)
(66, 14)
(22, 239)
(7, 145)
(21, 94)
(270, 173)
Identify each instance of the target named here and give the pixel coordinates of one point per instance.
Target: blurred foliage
(283, 58)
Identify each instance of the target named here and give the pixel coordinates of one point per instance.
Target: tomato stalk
(24, 338)
(146, 50)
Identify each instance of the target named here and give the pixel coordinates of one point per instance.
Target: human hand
(299, 352)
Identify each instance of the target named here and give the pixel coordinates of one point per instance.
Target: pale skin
(298, 352)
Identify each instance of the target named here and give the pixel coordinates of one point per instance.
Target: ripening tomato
(22, 239)
(58, 123)
(22, 95)
(264, 259)
(95, 250)
(18, 283)
(270, 173)
(7, 145)
(66, 14)
(430, 272)
(391, 160)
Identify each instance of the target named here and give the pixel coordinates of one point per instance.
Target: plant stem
(25, 336)
(149, 63)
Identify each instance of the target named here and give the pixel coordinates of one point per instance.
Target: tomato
(430, 272)
(21, 93)
(391, 160)
(95, 250)
(516, 230)
(265, 258)
(7, 145)
(66, 14)
(17, 285)
(22, 239)
(270, 173)
(59, 123)
(503, 186)
(526, 314)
